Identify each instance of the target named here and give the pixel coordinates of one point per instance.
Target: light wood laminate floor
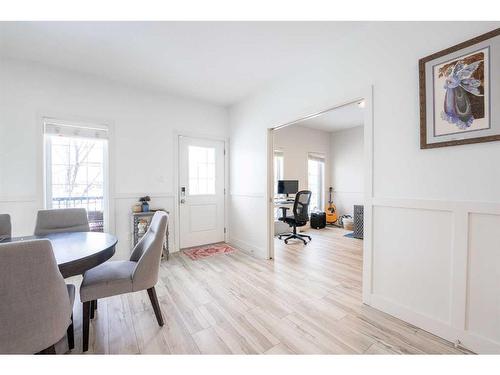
(308, 301)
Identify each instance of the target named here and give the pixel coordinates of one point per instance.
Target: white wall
(423, 198)
(297, 142)
(142, 143)
(347, 168)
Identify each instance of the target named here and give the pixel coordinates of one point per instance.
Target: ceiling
(219, 62)
(347, 116)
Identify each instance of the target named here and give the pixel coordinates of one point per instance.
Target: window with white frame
(316, 180)
(279, 161)
(76, 169)
(201, 170)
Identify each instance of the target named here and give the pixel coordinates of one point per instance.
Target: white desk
(280, 226)
(283, 203)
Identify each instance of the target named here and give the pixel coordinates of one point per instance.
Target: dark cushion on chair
(291, 221)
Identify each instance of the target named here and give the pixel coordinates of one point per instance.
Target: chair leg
(93, 308)
(71, 335)
(298, 236)
(50, 350)
(156, 305)
(295, 236)
(284, 235)
(86, 324)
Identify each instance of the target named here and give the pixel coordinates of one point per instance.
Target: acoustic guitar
(331, 210)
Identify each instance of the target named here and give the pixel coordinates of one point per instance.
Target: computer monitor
(288, 187)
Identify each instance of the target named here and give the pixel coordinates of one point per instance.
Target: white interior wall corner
(404, 176)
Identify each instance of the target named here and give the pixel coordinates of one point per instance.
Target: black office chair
(300, 216)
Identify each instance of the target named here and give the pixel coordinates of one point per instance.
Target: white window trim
(279, 153)
(315, 156)
(91, 130)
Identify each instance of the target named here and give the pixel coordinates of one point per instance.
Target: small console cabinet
(140, 224)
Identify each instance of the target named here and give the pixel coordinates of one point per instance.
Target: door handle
(183, 195)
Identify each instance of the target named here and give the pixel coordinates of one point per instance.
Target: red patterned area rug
(206, 251)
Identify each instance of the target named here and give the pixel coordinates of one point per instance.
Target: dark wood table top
(77, 252)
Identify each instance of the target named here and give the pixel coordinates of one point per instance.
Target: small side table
(145, 217)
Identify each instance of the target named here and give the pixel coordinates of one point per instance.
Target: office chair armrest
(283, 212)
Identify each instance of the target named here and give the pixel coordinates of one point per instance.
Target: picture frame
(458, 86)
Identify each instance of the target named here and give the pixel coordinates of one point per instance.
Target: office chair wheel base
(284, 235)
(297, 236)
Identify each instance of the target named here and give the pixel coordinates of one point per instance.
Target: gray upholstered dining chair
(5, 226)
(61, 220)
(36, 305)
(126, 276)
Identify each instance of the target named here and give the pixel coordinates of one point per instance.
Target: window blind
(316, 157)
(78, 131)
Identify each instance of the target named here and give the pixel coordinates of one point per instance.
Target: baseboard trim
(422, 321)
(247, 248)
(479, 343)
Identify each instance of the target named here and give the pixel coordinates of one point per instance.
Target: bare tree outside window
(77, 176)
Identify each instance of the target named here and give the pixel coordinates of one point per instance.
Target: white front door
(201, 184)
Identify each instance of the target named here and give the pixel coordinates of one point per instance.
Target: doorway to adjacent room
(329, 155)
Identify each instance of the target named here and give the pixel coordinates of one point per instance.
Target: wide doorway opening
(320, 189)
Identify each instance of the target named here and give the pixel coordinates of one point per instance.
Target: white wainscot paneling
(243, 230)
(412, 260)
(22, 215)
(483, 282)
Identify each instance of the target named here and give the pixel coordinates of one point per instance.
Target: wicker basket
(348, 224)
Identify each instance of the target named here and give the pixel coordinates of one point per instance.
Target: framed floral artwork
(459, 92)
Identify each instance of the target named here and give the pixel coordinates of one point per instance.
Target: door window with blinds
(76, 171)
(316, 180)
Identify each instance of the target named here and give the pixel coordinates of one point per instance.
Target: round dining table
(77, 252)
